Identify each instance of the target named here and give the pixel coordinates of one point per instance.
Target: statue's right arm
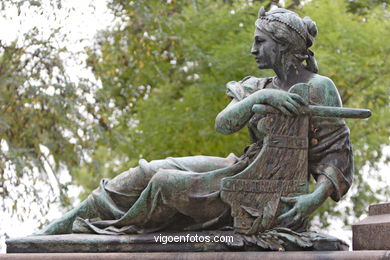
(236, 115)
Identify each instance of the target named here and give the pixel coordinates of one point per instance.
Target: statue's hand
(304, 205)
(287, 103)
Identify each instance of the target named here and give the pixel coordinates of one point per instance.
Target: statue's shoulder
(323, 91)
(243, 88)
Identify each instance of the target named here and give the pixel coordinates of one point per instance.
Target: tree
(43, 129)
(364, 7)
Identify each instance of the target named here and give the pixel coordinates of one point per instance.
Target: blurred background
(87, 88)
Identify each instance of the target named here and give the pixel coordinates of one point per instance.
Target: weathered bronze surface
(320, 111)
(296, 127)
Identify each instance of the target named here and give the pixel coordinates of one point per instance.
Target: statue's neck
(290, 74)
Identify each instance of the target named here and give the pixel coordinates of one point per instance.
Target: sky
(80, 25)
(80, 21)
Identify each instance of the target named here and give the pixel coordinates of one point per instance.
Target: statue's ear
(284, 47)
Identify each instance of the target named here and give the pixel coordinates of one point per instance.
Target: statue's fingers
(297, 217)
(295, 220)
(299, 224)
(299, 99)
(286, 215)
(285, 111)
(289, 221)
(290, 107)
(294, 103)
(296, 224)
(289, 200)
(297, 105)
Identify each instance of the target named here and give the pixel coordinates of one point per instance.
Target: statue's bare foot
(64, 225)
(59, 226)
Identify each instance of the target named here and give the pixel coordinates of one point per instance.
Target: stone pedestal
(303, 255)
(373, 232)
(206, 241)
(87, 243)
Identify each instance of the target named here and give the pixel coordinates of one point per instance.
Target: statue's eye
(259, 40)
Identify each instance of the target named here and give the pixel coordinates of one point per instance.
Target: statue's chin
(262, 66)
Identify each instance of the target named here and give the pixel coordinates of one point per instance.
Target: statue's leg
(125, 189)
(64, 224)
(185, 189)
(129, 183)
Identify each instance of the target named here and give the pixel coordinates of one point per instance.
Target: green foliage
(209, 61)
(41, 121)
(364, 7)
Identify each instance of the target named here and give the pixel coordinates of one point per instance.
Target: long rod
(320, 111)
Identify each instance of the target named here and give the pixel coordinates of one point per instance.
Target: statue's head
(282, 34)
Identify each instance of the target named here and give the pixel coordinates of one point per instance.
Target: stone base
(373, 232)
(178, 242)
(86, 243)
(334, 255)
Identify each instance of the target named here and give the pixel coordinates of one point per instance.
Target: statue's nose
(254, 49)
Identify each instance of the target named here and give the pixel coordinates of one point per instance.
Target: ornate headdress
(305, 28)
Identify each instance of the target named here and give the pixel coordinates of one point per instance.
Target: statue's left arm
(330, 155)
(330, 151)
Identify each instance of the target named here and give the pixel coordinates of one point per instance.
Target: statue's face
(265, 50)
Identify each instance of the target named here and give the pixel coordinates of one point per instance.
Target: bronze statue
(296, 130)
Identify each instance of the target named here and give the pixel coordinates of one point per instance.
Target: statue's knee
(145, 166)
(160, 178)
(150, 168)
